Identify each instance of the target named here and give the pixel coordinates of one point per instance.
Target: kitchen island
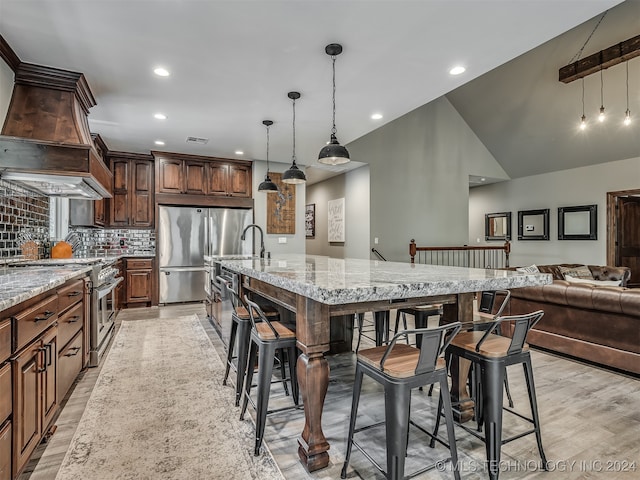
(316, 288)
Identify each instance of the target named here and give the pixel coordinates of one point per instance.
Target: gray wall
(578, 186)
(353, 186)
(6, 89)
(419, 172)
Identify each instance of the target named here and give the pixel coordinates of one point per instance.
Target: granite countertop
(20, 284)
(336, 281)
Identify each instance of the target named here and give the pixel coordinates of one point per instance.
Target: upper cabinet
(133, 203)
(202, 180)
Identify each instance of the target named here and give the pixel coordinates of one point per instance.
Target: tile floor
(590, 422)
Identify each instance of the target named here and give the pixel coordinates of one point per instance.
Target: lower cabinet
(69, 364)
(5, 451)
(35, 397)
(139, 282)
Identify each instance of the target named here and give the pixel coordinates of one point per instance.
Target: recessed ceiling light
(376, 116)
(161, 72)
(239, 152)
(160, 116)
(159, 142)
(457, 70)
(483, 179)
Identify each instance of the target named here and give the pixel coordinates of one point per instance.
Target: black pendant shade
(333, 153)
(268, 185)
(294, 175)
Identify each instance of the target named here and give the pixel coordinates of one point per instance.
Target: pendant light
(333, 153)
(294, 175)
(267, 186)
(583, 119)
(602, 115)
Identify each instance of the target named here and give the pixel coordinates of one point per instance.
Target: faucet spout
(244, 234)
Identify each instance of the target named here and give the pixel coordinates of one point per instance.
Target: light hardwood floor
(590, 422)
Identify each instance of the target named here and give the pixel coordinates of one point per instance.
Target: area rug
(159, 411)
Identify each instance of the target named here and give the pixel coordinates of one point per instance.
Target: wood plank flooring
(590, 422)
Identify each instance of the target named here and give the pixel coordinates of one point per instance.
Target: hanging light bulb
(583, 119)
(294, 175)
(627, 114)
(268, 185)
(602, 116)
(333, 153)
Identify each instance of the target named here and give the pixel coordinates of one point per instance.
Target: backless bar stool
(492, 354)
(400, 368)
(240, 332)
(266, 338)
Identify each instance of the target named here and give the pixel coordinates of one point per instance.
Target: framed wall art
(310, 220)
(281, 207)
(336, 220)
(578, 223)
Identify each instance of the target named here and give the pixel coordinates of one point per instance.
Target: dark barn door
(628, 236)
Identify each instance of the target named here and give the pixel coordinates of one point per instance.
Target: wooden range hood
(46, 144)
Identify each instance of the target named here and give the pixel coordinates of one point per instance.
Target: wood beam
(602, 60)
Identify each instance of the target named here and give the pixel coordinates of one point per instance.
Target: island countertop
(20, 284)
(337, 281)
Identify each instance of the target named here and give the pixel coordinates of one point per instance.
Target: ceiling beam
(621, 52)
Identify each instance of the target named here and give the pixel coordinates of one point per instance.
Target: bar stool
(421, 314)
(240, 333)
(381, 327)
(400, 368)
(266, 337)
(491, 354)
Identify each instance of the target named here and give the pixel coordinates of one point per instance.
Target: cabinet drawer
(139, 263)
(70, 294)
(5, 451)
(35, 320)
(5, 339)
(69, 365)
(69, 323)
(5, 391)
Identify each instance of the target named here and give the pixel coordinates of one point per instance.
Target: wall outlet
(375, 240)
(282, 239)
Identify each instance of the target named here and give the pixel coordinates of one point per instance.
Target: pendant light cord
(579, 52)
(582, 97)
(333, 130)
(601, 89)
(267, 149)
(627, 63)
(293, 156)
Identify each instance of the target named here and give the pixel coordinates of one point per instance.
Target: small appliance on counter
(61, 249)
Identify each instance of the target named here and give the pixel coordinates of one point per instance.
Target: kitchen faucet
(244, 234)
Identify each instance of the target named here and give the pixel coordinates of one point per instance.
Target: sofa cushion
(529, 269)
(581, 271)
(591, 281)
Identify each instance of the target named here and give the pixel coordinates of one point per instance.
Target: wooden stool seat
(265, 333)
(400, 363)
(243, 314)
(494, 346)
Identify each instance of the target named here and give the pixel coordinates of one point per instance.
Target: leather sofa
(599, 324)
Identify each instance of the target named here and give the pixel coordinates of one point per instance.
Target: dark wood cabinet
(5, 450)
(139, 281)
(132, 204)
(200, 177)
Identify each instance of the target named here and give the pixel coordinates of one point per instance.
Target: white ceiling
(233, 62)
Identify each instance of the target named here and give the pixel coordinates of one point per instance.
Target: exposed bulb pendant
(583, 119)
(627, 114)
(333, 153)
(268, 185)
(294, 175)
(602, 116)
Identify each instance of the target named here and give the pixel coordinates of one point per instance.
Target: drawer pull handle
(42, 369)
(74, 319)
(74, 294)
(47, 316)
(72, 352)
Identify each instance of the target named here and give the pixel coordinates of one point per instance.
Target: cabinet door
(5, 451)
(27, 420)
(119, 202)
(239, 184)
(170, 176)
(218, 178)
(99, 217)
(49, 376)
(195, 177)
(142, 194)
(138, 286)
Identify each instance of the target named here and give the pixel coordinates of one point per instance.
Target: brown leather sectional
(600, 324)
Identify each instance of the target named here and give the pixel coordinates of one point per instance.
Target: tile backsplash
(24, 216)
(125, 241)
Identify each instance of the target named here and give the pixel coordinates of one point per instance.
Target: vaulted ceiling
(232, 63)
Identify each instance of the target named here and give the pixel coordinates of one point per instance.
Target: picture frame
(335, 222)
(497, 226)
(578, 222)
(310, 220)
(533, 224)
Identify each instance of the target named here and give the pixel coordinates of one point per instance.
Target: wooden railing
(473, 257)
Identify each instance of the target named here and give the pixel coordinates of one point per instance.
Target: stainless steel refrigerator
(185, 236)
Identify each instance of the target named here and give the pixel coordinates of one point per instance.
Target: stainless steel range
(104, 278)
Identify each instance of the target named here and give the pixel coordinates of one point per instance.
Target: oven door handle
(104, 290)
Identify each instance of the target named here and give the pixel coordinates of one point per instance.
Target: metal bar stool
(421, 314)
(381, 327)
(240, 332)
(266, 338)
(492, 354)
(400, 368)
